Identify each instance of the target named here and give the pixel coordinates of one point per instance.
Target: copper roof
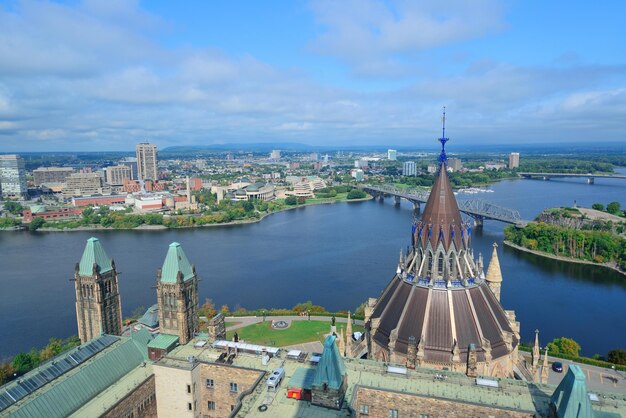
(441, 220)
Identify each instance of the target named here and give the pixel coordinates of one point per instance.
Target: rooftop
(176, 261)
(94, 254)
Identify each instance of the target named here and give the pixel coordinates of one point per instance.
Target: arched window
(451, 268)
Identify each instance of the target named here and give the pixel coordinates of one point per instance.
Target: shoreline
(165, 228)
(562, 258)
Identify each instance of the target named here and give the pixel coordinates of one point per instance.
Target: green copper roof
(94, 253)
(570, 398)
(175, 261)
(73, 389)
(164, 341)
(330, 369)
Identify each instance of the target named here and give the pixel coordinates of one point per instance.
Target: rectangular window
(393, 413)
(364, 410)
(210, 383)
(232, 407)
(424, 416)
(189, 406)
(233, 387)
(211, 405)
(188, 388)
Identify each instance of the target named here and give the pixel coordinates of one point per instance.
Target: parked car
(557, 366)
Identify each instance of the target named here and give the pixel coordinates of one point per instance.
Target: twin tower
(98, 304)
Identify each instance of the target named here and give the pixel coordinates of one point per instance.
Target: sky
(104, 75)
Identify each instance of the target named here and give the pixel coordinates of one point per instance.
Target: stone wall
(379, 402)
(220, 393)
(141, 402)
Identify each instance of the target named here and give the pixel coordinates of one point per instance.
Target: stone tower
(494, 274)
(177, 295)
(98, 305)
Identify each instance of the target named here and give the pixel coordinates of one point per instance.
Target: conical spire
(535, 358)
(176, 262)
(494, 274)
(94, 255)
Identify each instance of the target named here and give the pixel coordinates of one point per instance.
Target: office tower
(409, 168)
(147, 161)
(13, 176)
(392, 154)
(513, 160)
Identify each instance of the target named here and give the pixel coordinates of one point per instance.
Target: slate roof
(330, 370)
(176, 261)
(94, 253)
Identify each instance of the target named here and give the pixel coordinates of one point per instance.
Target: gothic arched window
(440, 264)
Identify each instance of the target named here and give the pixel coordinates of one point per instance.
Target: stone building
(177, 295)
(438, 311)
(330, 380)
(98, 305)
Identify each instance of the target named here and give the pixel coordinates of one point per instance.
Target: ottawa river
(335, 255)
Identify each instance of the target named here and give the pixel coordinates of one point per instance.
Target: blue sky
(103, 75)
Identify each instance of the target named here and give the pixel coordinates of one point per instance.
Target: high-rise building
(275, 154)
(98, 305)
(455, 164)
(392, 154)
(513, 160)
(177, 295)
(13, 176)
(115, 175)
(47, 175)
(147, 161)
(409, 168)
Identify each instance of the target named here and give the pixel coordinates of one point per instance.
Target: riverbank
(219, 224)
(561, 258)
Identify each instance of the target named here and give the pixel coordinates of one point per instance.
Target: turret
(494, 274)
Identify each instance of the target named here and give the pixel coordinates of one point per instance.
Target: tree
(14, 207)
(597, 206)
(224, 310)
(208, 309)
(23, 362)
(356, 194)
(564, 346)
(617, 356)
(36, 223)
(613, 207)
(6, 372)
(291, 200)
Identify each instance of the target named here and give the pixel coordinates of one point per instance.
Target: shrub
(291, 200)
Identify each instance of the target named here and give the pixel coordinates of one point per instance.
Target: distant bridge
(478, 209)
(590, 177)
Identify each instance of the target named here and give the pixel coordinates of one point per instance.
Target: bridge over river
(590, 177)
(478, 209)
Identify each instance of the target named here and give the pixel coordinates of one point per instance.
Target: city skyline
(77, 76)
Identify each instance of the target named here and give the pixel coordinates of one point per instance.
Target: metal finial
(443, 157)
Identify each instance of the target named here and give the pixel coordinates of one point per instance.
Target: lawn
(298, 332)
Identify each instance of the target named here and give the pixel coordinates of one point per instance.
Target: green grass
(299, 332)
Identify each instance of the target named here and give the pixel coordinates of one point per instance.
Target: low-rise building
(50, 215)
(99, 200)
(46, 175)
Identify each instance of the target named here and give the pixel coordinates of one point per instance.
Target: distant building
(455, 164)
(275, 155)
(177, 295)
(513, 160)
(131, 162)
(47, 175)
(98, 306)
(392, 154)
(13, 176)
(358, 174)
(314, 156)
(117, 174)
(99, 200)
(494, 166)
(409, 168)
(361, 163)
(432, 168)
(147, 161)
(305, 187)
(83, 184)
(52, 215)
(294, 166)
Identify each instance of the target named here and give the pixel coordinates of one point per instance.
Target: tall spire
(443, 157)
(536, 352)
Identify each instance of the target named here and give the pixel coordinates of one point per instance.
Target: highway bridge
(589, 176)
(478, 209)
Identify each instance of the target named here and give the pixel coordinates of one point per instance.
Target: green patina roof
(330, 369)
(163, 341)
(94, 253)
(571, 398)
(302, 378)
(176, 261)
(77, 387)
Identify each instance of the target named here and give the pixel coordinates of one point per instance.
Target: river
(335, 255)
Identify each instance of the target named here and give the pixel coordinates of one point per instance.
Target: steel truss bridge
(478, 209)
